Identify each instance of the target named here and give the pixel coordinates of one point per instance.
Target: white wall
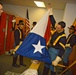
(35, 14)
(58, 14)
(69, 15)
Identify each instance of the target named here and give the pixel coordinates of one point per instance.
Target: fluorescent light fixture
(39, 4)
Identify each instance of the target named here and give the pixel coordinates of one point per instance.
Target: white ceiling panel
(56, 4)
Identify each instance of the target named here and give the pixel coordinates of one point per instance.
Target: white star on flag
(38, 47)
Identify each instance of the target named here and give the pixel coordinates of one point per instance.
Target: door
(2, 32)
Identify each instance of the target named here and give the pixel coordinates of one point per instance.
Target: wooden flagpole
(69, 67)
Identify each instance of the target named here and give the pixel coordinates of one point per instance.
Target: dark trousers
(65, 64)
(15, 57)
(46, 71)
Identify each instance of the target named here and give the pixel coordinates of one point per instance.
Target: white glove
(56, 61)
(35, 61)
(67, 45)
(51, 12)
(14, 20)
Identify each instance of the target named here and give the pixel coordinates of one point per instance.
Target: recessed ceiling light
(39, 3)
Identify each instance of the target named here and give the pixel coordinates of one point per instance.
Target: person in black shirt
(57, 48)
(69, 45)
(18, 36)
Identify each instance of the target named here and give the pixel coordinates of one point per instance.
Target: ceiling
(56, 4)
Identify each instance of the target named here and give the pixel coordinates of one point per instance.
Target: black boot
(14, 62)
(21, 61)
(53, 73)
(45, 71)
(66, 65)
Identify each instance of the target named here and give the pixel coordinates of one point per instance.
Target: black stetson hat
(21, 22)
(72, 27)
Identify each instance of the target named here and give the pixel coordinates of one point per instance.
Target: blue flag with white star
(34, 45)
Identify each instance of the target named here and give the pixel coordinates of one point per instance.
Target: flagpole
(69, 67)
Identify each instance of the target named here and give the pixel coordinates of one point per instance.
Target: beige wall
(35, 14)
(69, 15)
